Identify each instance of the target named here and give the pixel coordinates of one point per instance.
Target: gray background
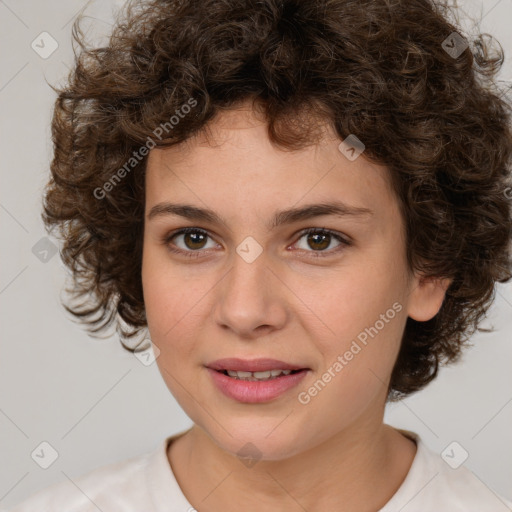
(96, 403)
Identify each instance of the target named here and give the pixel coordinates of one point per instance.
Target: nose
(250, 300)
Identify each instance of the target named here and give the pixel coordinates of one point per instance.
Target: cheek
(168, 296)
(171, 305)
(362, 321)
(343, 305)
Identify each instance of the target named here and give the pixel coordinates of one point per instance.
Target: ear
(426, 297)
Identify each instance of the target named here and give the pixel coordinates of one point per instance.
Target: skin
(288, 305)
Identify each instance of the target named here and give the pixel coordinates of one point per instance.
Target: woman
(307, 205)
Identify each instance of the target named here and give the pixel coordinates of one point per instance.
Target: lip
(252, 391)
(255, 392)
(252, 365)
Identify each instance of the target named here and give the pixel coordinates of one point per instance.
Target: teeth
(254, 376)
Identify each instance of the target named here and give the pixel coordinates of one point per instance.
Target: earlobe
(426, 297)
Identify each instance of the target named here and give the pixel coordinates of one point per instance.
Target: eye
(188, 241)
(321, 239)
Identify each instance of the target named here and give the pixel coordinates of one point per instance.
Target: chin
(258, 439)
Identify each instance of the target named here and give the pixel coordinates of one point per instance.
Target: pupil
(314, 238)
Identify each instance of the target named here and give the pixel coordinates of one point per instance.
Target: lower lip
(255, 392)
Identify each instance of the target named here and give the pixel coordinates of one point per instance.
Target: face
(248, 282)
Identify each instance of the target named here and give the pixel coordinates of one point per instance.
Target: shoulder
(443, 484)
(464, 491)
(115, 487)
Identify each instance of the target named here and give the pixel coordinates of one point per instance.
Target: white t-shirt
(146, 483)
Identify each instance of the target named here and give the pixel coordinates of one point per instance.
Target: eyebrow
(282, 217)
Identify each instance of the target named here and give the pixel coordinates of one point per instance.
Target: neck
(355, 470)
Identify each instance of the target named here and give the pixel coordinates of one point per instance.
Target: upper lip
(252, 365)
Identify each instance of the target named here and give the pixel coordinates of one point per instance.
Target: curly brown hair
(379, 69)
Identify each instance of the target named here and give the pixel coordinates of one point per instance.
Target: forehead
(233, 165)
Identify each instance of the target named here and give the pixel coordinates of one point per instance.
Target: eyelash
(314, 254)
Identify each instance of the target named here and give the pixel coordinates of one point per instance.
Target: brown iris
(321, 240)
(195, 240)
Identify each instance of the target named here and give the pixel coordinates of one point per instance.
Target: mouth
(254, 366)
(256, 380)
(259, 376)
